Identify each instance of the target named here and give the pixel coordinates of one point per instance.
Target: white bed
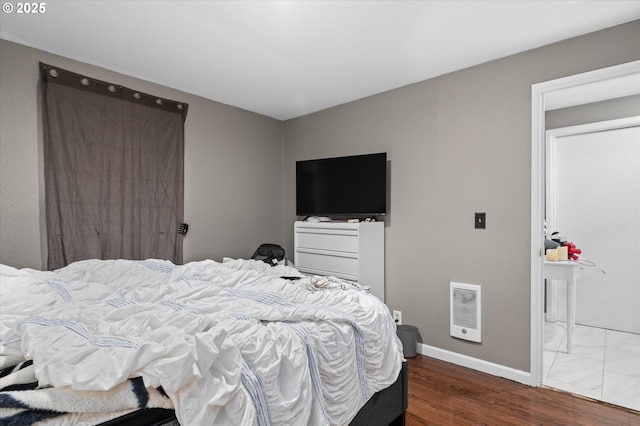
(229, 343)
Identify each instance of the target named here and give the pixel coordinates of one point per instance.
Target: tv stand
(350, 251)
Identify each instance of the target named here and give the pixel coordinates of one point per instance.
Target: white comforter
(231, 343)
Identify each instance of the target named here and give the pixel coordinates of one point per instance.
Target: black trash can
(408, 337)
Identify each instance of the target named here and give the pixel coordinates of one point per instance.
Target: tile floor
(603, 365)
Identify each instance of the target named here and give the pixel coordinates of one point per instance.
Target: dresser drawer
(352, 251)
(336, 241)
(346, 267)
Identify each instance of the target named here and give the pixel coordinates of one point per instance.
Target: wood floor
(441, 393)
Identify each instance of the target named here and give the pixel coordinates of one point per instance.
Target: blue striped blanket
(23, 402)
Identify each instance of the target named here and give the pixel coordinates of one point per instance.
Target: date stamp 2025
(24, 8)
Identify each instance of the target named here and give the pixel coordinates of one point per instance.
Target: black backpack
(269, 253)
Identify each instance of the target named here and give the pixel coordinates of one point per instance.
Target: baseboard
(475, 364)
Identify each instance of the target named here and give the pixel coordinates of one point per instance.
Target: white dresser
(351, 251)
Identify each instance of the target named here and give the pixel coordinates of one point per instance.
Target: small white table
(568, 271)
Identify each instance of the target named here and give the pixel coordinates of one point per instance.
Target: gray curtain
(114, 170)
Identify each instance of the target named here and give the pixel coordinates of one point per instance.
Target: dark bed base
(386, 407)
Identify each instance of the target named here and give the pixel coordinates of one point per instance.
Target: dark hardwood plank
(441, 393)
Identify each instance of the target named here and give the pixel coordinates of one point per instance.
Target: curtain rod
(53, 74)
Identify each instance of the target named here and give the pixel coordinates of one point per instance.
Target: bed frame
(386, 407)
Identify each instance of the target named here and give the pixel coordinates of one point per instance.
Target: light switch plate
(481, 220)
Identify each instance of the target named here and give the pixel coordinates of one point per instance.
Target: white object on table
(568, 271)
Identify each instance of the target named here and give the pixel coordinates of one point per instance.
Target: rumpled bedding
(229, 343)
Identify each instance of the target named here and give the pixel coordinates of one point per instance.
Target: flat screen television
(353, 186)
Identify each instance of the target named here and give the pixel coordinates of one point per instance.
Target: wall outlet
(397, 317)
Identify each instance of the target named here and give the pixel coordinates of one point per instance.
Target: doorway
(608, 83)
(593, 198)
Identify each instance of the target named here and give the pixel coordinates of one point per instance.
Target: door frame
(574, 90)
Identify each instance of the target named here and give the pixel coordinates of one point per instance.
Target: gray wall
(457, 144)
(233, 166)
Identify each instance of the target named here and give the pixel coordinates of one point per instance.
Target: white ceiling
(285, 59)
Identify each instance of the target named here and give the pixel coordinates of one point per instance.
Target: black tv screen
(342, 186)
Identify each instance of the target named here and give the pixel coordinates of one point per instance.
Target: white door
(593, 199)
